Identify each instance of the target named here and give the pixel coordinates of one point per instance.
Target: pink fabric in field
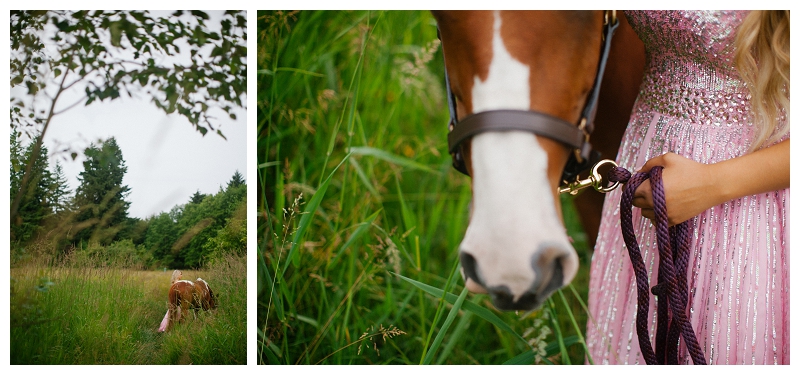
(164, 321)
(693, 103)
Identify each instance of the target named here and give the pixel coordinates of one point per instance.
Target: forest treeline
(92, 225)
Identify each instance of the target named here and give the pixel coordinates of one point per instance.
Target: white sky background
(167, 158)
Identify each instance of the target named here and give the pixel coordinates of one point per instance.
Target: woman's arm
(691, 187)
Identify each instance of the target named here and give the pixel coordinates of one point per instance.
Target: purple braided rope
(672, 288)
(643, 297)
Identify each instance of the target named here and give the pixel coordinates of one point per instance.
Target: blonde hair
(762, 59)
(176, 275)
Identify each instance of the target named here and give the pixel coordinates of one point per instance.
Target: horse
(499, 64)
(185, 295)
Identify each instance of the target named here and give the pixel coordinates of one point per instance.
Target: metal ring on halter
(594, 180)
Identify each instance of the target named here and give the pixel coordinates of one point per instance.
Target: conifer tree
(197, 197)
(101, 195)
(59, 190)
(236, 180)
(35, 204)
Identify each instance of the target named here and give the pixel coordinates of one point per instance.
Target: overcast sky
(167, 158)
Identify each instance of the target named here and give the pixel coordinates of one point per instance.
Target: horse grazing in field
(523, 90)
(185, 295)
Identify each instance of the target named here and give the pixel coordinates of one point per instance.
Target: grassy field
(74, 315)
(361, 213)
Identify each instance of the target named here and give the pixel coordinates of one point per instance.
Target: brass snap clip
(594, 180)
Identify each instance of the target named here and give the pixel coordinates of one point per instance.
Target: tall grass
(67, 314)
(361, 213)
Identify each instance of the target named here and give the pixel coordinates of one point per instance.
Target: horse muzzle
(524, 288)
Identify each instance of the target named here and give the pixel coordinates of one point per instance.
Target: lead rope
(672, 290)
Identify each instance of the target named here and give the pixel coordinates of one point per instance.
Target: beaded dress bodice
(690, 71)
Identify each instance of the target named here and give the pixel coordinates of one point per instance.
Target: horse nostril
(503, 299)
(550, 274)
(469, 266)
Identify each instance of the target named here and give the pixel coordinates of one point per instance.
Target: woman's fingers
(643, 196)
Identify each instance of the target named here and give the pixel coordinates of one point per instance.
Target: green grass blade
(391, 158)
(363, 178)
(439, 308)
(586, 310)
(557, 331)
(447, 322)
(362, 228)
(573, 321)
(461, 327)
(556, 346)
(305, 221)
(525, 358)
(480, 311)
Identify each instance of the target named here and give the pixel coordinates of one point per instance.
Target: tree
(236, 180)
(101, 195)
(59, 190)
(197, 197)
(35, 203)
(110, 53)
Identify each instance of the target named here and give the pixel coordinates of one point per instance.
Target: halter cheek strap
(576, 137)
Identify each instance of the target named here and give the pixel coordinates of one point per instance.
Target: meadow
(361, 213)
(68, 313)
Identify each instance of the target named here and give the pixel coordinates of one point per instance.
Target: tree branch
(68, 107)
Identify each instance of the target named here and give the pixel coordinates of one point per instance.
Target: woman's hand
(691, 187)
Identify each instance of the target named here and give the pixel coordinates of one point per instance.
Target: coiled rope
(672, 290)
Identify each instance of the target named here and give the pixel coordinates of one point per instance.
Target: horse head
(515, 247)
(205, 295)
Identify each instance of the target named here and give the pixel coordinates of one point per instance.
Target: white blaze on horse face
(514, 219)
(506, 87)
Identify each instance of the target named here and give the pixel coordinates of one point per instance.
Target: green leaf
(116, 33)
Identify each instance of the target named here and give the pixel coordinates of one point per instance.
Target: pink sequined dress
(693, 103)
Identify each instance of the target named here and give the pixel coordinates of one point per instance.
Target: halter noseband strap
(576, 137)
(503, 120)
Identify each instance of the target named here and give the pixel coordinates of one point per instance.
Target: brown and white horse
(185, 295)
(515, 247)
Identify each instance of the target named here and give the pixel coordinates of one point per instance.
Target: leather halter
(576, 137)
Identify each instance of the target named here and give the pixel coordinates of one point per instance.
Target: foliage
(356, 188)
(236, 181)
(123, 254)
(100, 198)
(36, 200)
(191, 233)
(123, 52)
(197, 197)
(232, 238)
(59, 191)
